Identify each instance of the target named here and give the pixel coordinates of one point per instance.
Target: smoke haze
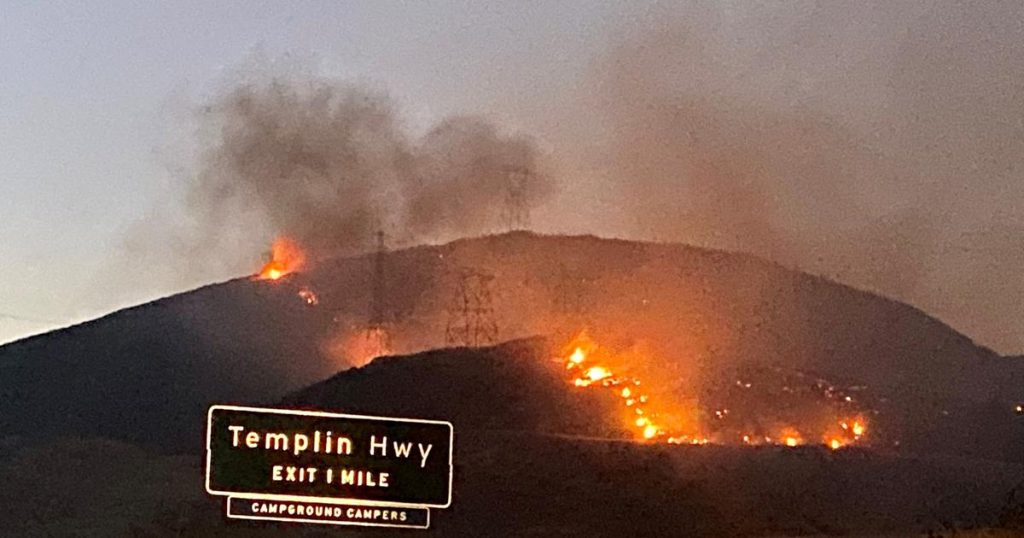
(877, 144)
(881, 145)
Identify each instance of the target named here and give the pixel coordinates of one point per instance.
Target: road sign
(313, 456)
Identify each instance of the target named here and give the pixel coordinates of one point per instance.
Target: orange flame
(589, 369)
(286, 258)
(590, 366)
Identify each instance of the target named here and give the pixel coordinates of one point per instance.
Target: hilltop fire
(286, 257)
(590, 366)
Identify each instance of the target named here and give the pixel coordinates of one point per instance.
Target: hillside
(532, 458)
(146, 374)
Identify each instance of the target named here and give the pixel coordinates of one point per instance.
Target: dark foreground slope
(146, 374)
(515, 387)
(533, 457)
(536, 457)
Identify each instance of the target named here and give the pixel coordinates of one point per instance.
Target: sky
(93, 96)
(880, 146)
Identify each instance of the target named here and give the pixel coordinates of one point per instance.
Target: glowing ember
(791, 437)
(286, 257)
(858, 429)
(835, 444)
(597, 373)
(650, 431)
(309, 297)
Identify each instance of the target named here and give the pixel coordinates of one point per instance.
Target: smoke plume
(327, 163)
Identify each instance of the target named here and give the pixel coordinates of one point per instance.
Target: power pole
(377, 335)
(515, 213)
(471, 311)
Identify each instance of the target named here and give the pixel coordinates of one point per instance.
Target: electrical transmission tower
(515, 214)
(378, 337)
(471, 311)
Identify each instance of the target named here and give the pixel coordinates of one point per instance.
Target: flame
(286, 257)
(791, 437)
(591, 369)
(590, 366)
(597, 373)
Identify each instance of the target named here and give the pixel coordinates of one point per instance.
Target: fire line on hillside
(588, 367)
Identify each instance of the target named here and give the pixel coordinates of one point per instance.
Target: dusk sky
(95, 103)
(880, 147)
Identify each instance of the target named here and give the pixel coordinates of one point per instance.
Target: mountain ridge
(151, 370)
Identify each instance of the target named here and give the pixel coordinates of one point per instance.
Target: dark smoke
(327, 163)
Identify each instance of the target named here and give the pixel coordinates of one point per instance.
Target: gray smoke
(875, 143)
(326, 163)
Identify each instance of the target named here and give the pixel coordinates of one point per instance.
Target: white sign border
(319, 521)
(327, 500)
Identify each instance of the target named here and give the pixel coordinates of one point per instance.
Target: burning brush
(590, 367)
(286, 257)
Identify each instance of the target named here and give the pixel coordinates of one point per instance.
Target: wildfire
(589, 366)
(628, 389)
(791, 437)
(856, 427)
(286, 257)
